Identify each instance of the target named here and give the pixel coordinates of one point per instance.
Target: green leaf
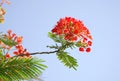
(54, 46)
(7, 41)
(78, 44)
(1, 53)
(62, 40)
(71, 45)
(67, 60)
(19, 69)
(54, 37)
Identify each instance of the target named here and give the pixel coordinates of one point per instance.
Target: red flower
(89, 43)
(9, 32)
(16, 53)
(88, 49)
(7, 55)
(84, 39)
(19, 49)
(70, 27)
(19, 39)
(66, 31)
(81, 49)
(74, 30)
(74, 38)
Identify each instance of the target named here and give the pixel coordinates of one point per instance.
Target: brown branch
(43, 52)
(58, 49)
(50, 52)
(37, 53)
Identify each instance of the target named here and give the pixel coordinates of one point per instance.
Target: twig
(50, 52)
(43, 52)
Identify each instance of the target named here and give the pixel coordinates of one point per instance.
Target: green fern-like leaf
(53, 36)
(68, 60)
(18, 69)
(8, 42)
(1, 54)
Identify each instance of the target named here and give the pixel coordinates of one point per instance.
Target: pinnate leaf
(67, 60)
(19, 69)
(7, 41)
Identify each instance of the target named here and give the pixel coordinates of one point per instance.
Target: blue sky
(33, 19)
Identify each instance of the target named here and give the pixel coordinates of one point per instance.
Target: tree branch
(43, 52)
(50, 52)
(37, 53)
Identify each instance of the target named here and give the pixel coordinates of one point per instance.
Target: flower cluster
(73, 30)
(2, 13)
(84, 45)
(17, 44)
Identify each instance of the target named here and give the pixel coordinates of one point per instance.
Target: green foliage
(53, 36)
(78, 44)
(8, 42)
(1, 53)
(67, 60)
(68, 45)
(18, 69)
(56, 38)
(53, 46)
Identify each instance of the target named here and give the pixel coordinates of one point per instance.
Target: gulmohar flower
(18, 48)
(73, 30)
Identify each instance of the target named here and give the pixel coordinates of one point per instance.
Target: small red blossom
(19, 39)
(7, 55)
(81, 49)
(9, 32)
(85, 39)
(85, 44)
(13, 35)
(89, 43)
(66, 31)
(88, 49)
(75, 31)
(74, 38)
(16, 53)
(21, 51)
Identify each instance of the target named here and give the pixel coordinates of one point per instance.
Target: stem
(62, 47)
(35, 53)
(58, 49)
(43, 52)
